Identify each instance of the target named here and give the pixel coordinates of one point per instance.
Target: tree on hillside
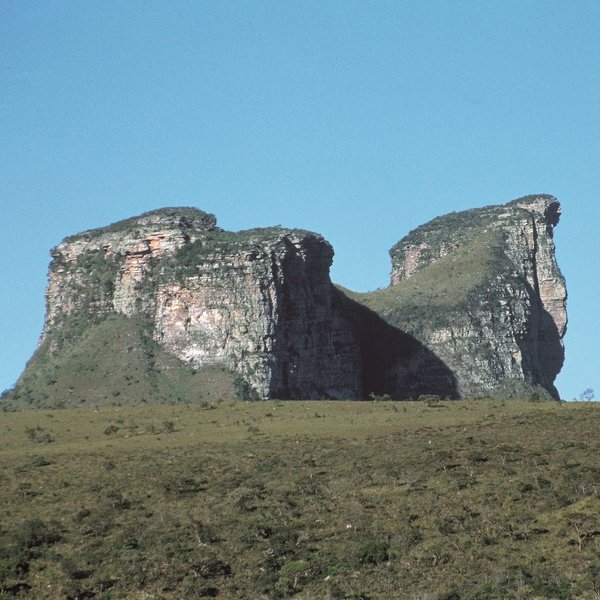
(587, 395)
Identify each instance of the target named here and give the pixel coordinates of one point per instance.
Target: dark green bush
(242, 389)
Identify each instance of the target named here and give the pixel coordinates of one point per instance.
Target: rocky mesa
(482, 289)
(476, 306)
(257, 302)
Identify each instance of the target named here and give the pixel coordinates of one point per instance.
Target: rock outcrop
(476, 307)
(482, 290)
(258, 302)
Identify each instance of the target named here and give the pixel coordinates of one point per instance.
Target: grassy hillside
(439, 288)
(108, 362)
(305, 500)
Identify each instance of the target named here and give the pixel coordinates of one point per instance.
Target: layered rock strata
(491, 300)
(258, 302)
(476, 307)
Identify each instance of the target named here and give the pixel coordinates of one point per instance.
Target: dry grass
(375, 500)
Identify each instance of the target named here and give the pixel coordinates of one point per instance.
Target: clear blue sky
(356, 119)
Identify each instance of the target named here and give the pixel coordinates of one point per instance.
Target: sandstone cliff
(476, 307)
(258, 302)
(483, 291)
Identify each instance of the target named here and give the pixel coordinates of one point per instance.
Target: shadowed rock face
(476, 305)
(492, 301)
(394, 362)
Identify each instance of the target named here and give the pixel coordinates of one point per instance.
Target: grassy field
(305, 500)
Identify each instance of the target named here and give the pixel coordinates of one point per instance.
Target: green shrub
(35, 533)
(242, 388)
(39, 435)
(373, 551)
(168, 426)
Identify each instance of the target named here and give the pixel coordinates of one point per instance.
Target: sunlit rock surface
(482, 290)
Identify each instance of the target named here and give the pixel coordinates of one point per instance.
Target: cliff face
(104, 270)
(483, 291)
(257, 302)
(476, 307)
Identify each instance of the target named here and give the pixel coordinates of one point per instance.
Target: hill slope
(113, 361)
(466, 500)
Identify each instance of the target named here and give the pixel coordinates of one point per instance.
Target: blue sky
(359, 120)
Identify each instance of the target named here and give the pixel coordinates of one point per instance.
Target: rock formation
(258, 302)
(476, 306)
(482, 290)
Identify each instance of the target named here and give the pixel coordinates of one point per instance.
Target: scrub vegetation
(111, 361)
(453, 283)
(307, 500)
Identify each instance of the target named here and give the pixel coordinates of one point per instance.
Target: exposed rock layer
(258, 302)
(476, 305)
(492, 300)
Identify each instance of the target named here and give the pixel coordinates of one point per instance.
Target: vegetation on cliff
(221, 248)
(453, 283)
(182, 216)
(112, 361)
(462, 227)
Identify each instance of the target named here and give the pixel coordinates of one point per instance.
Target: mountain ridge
(476, 306)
